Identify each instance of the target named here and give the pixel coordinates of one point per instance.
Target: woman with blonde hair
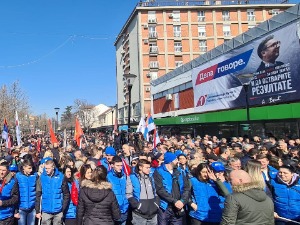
(253, 168)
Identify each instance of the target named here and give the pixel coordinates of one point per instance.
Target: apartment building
(160, 36)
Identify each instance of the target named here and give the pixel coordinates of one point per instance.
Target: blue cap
(169, 157)
(218, 166)
(13, 168)
(44, 160)
(179, 153)
(110, 151)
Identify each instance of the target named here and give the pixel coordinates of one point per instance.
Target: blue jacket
(272, 172)
(286, 199)
(52, 196)
(207, 199)
(27, 190)
(136, 186)
(105, 163)
(167, 180)
(119, 188)
(72, 209)
(7, 212)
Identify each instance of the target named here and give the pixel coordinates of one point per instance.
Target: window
(226, 15)
(153, 75)
(226, 31)
(152, 32)
(176, 16)
(153, 48)
(177, 46)
(250, 15)
(153, 64)
(201, 31)
(274, 12)
(177, 31)
(136, 109)
(203, 45)
(151, 17)
(178, 64)
(201, 16)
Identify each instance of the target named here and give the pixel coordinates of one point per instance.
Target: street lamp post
(245, 79)
(56, 112)
(129, 80)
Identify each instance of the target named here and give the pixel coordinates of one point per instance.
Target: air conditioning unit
(170, 15)
(148, 75)
(145, 26)
(148, 89)
(146, 41)
(122, 51)
(169, 97)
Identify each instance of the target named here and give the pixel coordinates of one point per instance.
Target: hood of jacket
(7, 178)
(96, 192)
(252, 190)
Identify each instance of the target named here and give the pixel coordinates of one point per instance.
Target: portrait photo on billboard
(276, 79)
(269, 66)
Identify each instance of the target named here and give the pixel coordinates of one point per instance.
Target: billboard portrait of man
(268, 51)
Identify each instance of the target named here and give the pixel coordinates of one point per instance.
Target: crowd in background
(124, 179)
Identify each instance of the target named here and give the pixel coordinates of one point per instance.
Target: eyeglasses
(274, 45)
(133, 163)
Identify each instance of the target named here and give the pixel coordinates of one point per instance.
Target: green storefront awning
(274, 112)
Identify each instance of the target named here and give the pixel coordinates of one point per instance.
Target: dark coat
(248, 205)
(97, 204)
(262, 66)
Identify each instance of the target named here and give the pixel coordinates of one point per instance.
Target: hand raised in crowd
(211, 175)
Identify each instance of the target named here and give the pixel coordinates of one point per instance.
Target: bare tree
(85, 113)
(13, 99)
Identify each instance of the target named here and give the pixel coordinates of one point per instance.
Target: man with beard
(173, 189)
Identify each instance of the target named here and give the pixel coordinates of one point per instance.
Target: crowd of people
(182, 180)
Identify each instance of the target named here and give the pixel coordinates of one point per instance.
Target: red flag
(78, 132)
(74, 193)
(52, 135)
(126, 168)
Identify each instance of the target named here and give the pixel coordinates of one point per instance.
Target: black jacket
(97, 204)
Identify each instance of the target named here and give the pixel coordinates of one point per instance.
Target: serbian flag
(150, 125)
(5, 135)
(18, 132)
(78, 132)
(126, 167)
(5, 130)
(52, 135)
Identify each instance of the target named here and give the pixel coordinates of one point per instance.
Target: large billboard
(268, 66)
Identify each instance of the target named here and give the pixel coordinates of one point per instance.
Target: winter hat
(110, 151)
(218, 167)
(13, 168)
(169, 157)
(44, 160)
(180, 153)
